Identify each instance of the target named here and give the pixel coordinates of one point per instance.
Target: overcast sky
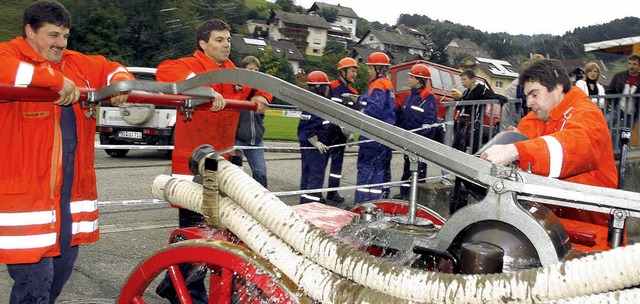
(514, 17)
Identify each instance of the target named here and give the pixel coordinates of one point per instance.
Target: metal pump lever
(138, 91)
(528, 186)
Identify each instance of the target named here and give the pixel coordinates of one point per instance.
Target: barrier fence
(619, 110)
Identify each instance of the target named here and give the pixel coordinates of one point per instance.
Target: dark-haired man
(215, 126)
(48, 189)
(569, 140)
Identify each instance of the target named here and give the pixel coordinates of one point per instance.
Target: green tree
(11, 16)
(99, 31)
(161, 33)
(362, 27)
(275, 64)
(329, 14)
(289, 6)
(335, 46)
(413, 20)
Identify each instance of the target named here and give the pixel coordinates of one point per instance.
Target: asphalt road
(134, 225)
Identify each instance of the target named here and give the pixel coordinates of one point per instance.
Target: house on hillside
(394, 42)
(457, 49)
(247, 46)
(307, 32)
(340, 33)
(498, 73)
(346, 18)
(361, 54)
(422, 36)
(256, 28)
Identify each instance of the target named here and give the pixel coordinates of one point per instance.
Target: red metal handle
(9, 92)
(582, 237)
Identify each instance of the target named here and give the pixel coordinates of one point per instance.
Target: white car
(136, 126)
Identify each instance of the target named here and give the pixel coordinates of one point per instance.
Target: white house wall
(373, 42)
(344, 21)
(317, 40)
(274, 30)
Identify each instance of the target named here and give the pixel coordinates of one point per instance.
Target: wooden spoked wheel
(236, 275)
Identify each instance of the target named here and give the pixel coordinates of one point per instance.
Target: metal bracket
(618, 219)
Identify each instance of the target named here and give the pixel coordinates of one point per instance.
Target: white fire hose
(318, 282)
(599, 277)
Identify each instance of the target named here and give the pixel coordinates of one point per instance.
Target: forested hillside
(144, 32)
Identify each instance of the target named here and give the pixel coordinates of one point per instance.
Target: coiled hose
(589, 276)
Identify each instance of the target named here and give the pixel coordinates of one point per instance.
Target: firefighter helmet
(317, 77)
(347, 62)
(378, 58)
(420, 70)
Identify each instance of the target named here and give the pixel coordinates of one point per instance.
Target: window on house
(370, 38)
(316, 51)
(499, 84)
(350, 21)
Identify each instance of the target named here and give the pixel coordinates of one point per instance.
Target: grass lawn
(281, 128)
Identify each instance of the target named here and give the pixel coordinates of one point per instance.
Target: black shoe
(335, 198)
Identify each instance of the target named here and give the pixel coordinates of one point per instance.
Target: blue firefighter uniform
(336, 136)
(419, 110)
(313, 162)
(374, 158)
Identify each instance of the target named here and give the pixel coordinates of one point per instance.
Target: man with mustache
(48, 195)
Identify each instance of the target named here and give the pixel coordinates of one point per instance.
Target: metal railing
(620, 111)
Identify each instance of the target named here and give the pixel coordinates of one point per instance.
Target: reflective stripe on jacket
(215, 128)
(575, 146)
(31, 169)
(419, 110)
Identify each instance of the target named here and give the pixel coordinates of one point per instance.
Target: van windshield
(402, 82)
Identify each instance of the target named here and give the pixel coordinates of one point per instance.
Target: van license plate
(130, 134)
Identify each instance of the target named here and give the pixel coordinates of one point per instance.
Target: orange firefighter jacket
(31, 153)
(575, 146)
(215, 128)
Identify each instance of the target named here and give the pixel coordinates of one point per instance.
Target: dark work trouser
(373, 159)
(336, 154)
(313, 165)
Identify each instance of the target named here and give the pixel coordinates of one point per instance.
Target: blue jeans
(256, 160)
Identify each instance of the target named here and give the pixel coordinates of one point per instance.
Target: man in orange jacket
(569, 140)
(215, 126)
(47, 181)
